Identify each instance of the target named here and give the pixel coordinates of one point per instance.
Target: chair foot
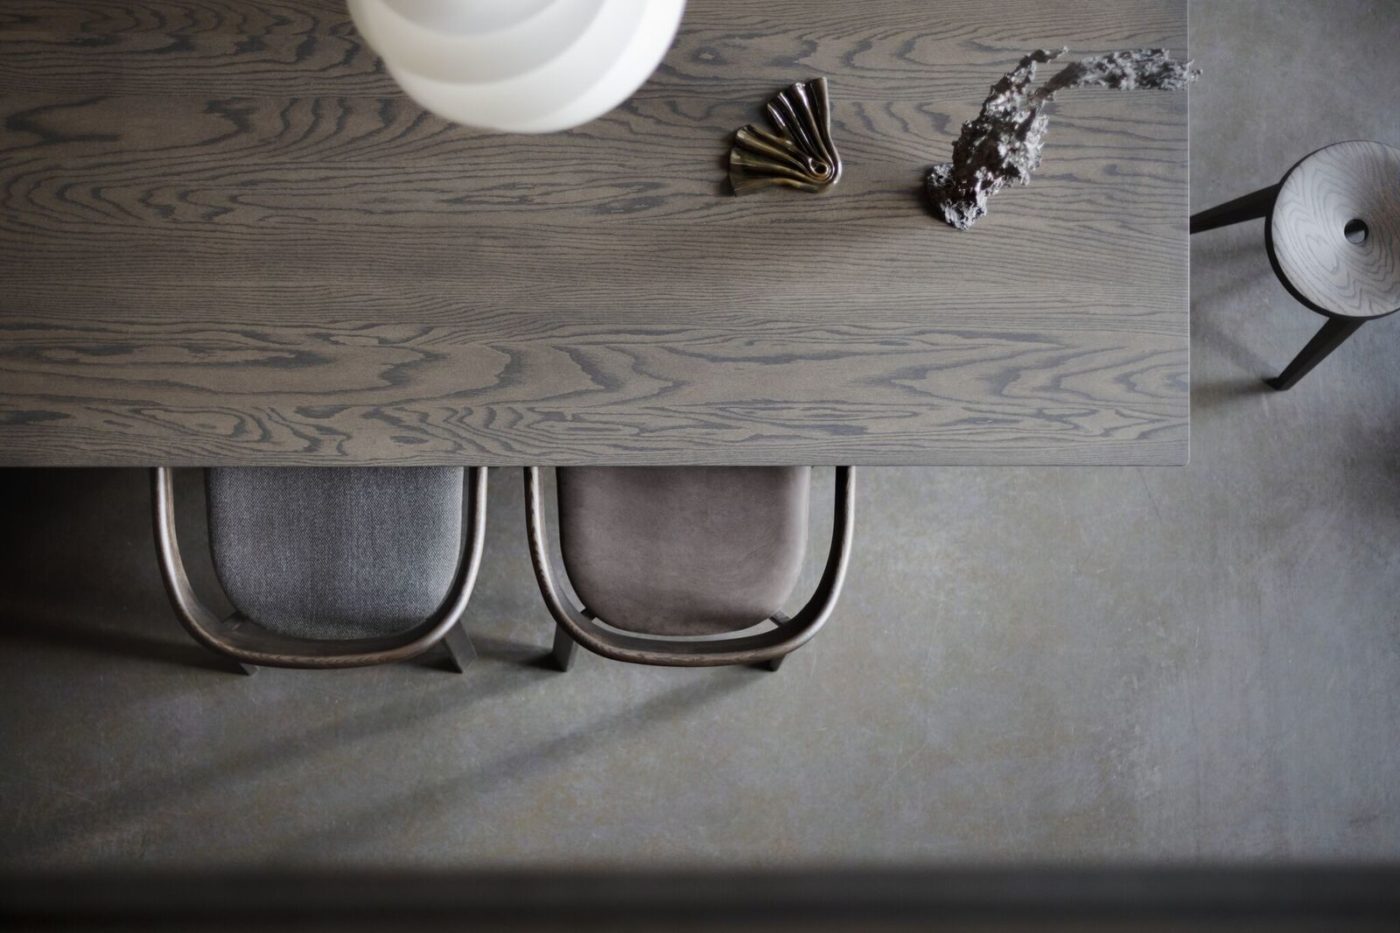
(1255, 204)
(459, 648)
(247, 670)
(564, 649)
(1332, 335)
(779, 619)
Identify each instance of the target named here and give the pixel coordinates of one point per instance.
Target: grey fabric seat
(335, 552)
(683, 550)
(330, 568)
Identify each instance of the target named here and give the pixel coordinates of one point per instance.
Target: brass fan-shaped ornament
(800, 154)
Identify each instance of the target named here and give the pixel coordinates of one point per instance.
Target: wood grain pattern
(225, 239)
(1352, 186)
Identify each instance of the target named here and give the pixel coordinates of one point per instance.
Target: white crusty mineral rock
(1004, 143)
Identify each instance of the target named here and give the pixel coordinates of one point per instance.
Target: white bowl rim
(395, 7)
(473, 104)
(477, 59)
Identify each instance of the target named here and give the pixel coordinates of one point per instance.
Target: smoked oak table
(227, 238)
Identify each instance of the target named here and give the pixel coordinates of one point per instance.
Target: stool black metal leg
(1237, 211)
(1329, 338)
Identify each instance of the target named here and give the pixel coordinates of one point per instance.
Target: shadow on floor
(655, 713)
(992, 898)
(103, 637)
(133, 801)
(1207, 396)
(80, 572)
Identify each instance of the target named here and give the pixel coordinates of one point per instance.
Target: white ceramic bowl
(470, 17)
(502, 52)
(628, 72)
(567, 62)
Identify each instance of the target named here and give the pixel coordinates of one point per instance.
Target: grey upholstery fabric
(683, 551)
(335, 552)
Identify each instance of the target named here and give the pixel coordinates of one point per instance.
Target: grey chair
(673, 566)
(331, 567)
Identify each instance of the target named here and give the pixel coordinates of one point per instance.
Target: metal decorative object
(1004, 143)
(799, 154)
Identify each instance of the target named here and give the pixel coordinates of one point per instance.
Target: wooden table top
(227, 238)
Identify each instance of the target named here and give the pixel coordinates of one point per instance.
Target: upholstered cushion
(683, 551)
(335, 552)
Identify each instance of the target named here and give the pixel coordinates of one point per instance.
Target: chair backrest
(683, 550)
(335, 553)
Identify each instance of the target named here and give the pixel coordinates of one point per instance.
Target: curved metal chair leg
(460, 650)
(580, 626)
(772, 664)
(564, 648)
(247, 645)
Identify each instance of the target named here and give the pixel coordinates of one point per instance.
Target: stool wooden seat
(1333, 238)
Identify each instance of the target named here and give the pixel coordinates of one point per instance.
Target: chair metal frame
(244, 641)
(577, 625)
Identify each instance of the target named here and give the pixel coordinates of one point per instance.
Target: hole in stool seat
(1356, 230)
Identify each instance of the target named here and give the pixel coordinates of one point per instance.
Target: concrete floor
(1029, 664)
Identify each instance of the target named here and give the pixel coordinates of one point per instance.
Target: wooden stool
(1333, 238)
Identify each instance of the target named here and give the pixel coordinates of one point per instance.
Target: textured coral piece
(1004, 143)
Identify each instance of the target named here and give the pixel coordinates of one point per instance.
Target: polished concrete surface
(1029, 664)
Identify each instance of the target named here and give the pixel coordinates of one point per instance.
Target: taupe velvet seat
(673, 561)
(332, 567)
